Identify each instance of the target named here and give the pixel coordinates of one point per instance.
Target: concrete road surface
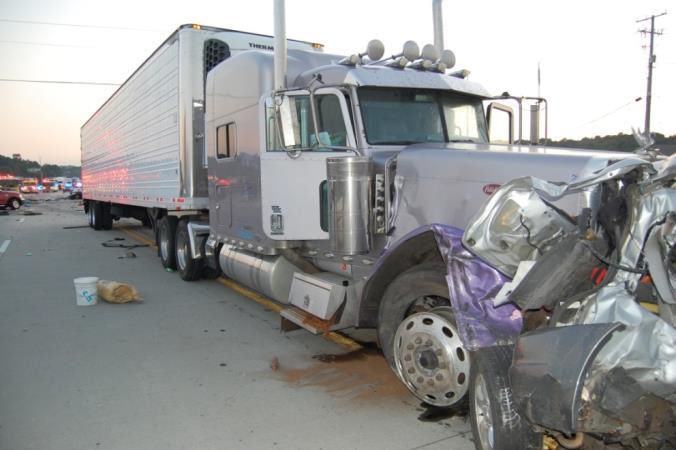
(195, 366)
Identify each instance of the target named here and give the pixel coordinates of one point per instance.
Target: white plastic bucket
(85, 291)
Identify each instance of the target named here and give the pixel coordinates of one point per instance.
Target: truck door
(222, 175)
(292, 183)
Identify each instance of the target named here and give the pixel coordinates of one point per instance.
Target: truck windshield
(409, 116)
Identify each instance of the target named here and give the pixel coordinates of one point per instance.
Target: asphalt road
(195, 366)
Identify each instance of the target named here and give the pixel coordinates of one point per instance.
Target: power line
(87, 83)
(638, 99)
(76, 25)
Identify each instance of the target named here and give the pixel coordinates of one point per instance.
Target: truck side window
(332, 131)
(226, 141)
(331, 121)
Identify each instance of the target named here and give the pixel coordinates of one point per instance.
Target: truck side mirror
(499, 130)
(288, 125)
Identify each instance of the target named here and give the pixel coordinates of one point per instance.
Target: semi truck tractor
(330, 183)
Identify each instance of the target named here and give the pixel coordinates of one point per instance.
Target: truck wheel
(418, 336)
(90, 212)
(496, 423)
(106, 217)
(97, 214)
(14, 203)
(188, 268)
(167, 241)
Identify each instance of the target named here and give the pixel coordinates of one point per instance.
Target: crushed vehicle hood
(447, 183)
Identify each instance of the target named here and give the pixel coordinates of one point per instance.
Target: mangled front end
(597, 352)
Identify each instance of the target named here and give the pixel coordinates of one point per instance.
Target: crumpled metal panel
(495, 233)
(549, 369)
(473, 285)
(646, 207)
(646, 348)
(515, 225)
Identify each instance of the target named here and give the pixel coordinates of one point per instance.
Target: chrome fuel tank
(269, 275)
(349, 192)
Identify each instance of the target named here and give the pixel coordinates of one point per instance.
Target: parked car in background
(11, 199)
(29, 187)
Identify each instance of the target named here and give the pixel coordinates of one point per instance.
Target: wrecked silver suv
(575, 338)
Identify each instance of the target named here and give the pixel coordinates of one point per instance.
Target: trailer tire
(495, 419)
(166, 247)
(188, 268)
(89, 211)
(417, 301)
(106, 216)
(96, 210)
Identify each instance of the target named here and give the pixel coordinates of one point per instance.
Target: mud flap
(549, 369)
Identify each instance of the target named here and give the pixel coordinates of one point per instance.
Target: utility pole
(651, 60)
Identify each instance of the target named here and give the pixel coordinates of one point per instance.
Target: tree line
(26, 168)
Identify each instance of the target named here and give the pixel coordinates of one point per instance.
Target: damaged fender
(549, 369)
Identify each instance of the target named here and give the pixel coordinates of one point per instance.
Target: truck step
(294, 318)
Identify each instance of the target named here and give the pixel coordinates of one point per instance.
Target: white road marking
(4, 246)
(21, 220)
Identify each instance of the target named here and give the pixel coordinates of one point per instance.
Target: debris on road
(112, 243)
(116, 292)
(274, 364)
(86, 291)
(127, 255)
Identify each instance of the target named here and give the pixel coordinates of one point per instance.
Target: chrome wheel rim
(482, 413)
(15, 204)
(430, 358)
(181, 252)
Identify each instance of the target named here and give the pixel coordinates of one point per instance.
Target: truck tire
(419, 338)
(96, 214)
(166, 231)
(188, 268)
(106, 217)
(496, 422)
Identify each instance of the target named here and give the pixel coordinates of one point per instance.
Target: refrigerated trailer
(336, 185)
(143, 151)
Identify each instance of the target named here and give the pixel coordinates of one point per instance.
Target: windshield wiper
(396, 142)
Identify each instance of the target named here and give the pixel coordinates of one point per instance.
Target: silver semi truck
(330, 183)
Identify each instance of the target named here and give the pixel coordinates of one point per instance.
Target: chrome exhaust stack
(438, 25)
(280, 45)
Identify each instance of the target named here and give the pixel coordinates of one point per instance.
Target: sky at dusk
(593, 64)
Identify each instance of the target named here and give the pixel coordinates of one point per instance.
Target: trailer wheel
(167, 241)
(89, 211)
(106, 217)
(188, 268)
(418, 336)
(495, 420)
(96, 211)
